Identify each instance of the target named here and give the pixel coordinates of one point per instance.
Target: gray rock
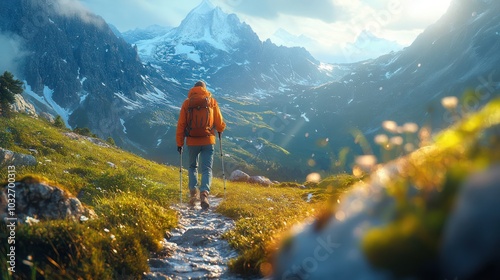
(239, 176)
(260, 180)
(78, 137)
(472, 234)
(50, 118)
(44, 202)
(8, 157)
(22, 106)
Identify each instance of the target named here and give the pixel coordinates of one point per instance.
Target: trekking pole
(180, 174)
(222, 161)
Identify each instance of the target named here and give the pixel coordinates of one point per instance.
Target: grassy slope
(131, 202)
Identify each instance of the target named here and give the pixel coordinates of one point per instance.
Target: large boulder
(261, 180)
(22, 106)
(37, 199)
(239, 176)
(8, 157)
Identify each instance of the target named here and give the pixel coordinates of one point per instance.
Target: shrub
(59, 123)
(84, 131)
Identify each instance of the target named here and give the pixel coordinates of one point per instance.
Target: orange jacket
(219, 123)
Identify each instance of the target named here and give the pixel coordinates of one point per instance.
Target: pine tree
(8, 88)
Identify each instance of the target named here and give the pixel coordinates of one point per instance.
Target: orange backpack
(200, 117)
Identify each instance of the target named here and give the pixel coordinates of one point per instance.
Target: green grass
(264, 215)
(426, 190)
(131, 201)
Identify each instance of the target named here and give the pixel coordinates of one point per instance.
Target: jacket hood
(199, 91)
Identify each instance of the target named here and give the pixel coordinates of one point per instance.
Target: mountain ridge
(272, 96)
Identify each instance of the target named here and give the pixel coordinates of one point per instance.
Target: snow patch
(157, 96)
(326, 67)
(303, 115)
(84, 97)
(47, 100)
(131, 104)
(175, 107)
(32, 94)
(82, 80)
(47, 94)
(389, 75)
(189, 51)
(123, 125)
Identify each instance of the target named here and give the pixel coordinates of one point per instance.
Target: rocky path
(196, 250)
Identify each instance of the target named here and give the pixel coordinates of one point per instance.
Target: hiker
(200, 116)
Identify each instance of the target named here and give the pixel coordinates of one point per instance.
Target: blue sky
(330, 23)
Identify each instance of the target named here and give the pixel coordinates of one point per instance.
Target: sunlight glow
(313, 177)
(428, 7)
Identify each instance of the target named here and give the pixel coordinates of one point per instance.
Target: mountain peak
(205, 7)
(208, 23)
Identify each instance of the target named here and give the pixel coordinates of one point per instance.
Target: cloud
(324, 10)
(12, 53)
(72, 8)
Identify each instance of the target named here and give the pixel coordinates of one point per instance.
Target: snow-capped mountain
(286, 112)
(209, 24)
(284, 38)
(73, 65)
(217, 47)
(150, 32)
(368, 46)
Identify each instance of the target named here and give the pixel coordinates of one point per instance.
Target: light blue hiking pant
(206, 153)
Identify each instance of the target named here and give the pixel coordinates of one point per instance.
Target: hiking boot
(204, 200)
(193, 197)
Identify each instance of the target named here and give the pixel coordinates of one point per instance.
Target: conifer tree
(8, 88)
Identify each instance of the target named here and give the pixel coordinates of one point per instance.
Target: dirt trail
(197, 250)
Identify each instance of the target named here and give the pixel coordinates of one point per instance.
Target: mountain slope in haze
(74, 66)
(366, 46)
(454, 55)
(77, 68)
